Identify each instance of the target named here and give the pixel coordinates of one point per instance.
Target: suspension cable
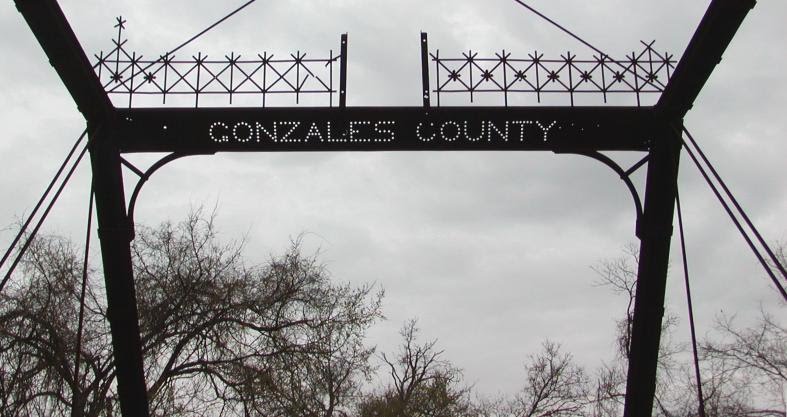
(23, 229)
(718, 178)
(577, 37)
(81, 317)
(71, 171)
(218, 22)
(738, 207)
(204, 31)
(700, 396)
(32, 234)
(735, 220)
(559, 26)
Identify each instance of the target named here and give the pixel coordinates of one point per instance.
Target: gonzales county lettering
(380, 131)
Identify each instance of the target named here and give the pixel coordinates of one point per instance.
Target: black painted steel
(624, 176)
(50, 26)
(143, 178)
(503, 76)
(114, 231)
(714, 33)
(710, 40)
(343, 72)
(425, 69)
(655, 233)
(183, 81)
(385, 129)
(62, 48)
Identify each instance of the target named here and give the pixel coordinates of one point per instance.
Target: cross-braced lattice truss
(125, 73)
(646, 72)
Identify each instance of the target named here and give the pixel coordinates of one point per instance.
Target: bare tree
(620, 275)
(415, 365)
(422, 383)
(38, 337)
(326, 382)
(752, 357)
(738, 361)
(609, 390)
(218, 337)
(554, 386)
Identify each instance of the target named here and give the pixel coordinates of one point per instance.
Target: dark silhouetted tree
(554, 386)
(748, 363)
(739, 360)
(218, 337)
(422, 383)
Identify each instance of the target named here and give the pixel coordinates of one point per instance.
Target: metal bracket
(625, 175)
(143, 178)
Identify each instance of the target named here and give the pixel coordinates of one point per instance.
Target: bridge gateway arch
(653, 130)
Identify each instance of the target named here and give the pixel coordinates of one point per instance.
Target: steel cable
(735, 220)
(738, 207)
(41, 201)
(718, 178)
(218, 22)
(32, 234)
(684, 256)
(559, 26)
(81, 317)
(601, 53)
(59, 172)
(204, 31)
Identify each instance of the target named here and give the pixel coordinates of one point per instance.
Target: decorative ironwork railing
(646, 72)
(124, 73)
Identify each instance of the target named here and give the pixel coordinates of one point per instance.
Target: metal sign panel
(207, 130)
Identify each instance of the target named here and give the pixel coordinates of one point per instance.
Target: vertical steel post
(655, 232)
(343, 73)
(425, 69)
(114, 231)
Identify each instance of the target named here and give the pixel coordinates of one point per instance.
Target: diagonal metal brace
(624, 176)
(144, 177)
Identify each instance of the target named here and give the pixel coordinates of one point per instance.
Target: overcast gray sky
(491, 251)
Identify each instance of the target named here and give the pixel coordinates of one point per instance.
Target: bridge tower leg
(654, 231)
(115, 232)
